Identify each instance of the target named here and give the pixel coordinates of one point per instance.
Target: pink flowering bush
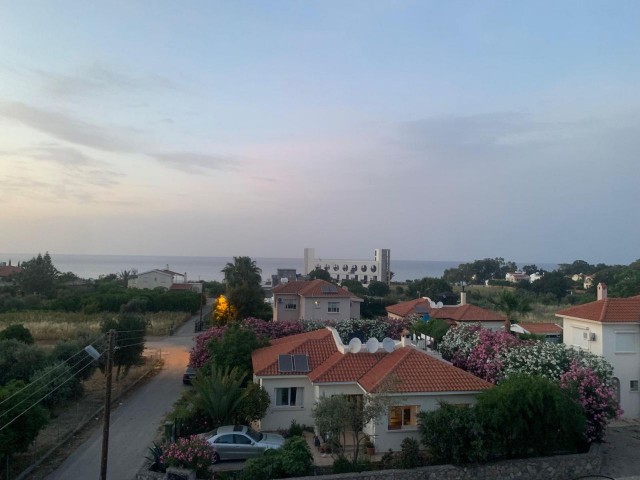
(199, 355)
(484, 359)
(597, 398)
(190, 452)
(458, 342)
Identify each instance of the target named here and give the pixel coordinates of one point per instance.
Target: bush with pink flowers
(597, 398)
(190, 452)
(484, 359)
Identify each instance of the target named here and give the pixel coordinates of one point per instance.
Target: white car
(239, 442)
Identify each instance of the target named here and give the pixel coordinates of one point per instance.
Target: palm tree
(220, 394)
(242, 272)
(511, 305)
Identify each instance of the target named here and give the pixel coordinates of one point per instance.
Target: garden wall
(540, 468)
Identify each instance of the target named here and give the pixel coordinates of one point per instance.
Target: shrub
(342, 465)
(484, 359)
(294, 459)
(191, 452)
(295, 430)
(597, 399)
(17, 332)
(453, 434)
(458, 342)
(265, 467)
(19, 361)
(410, 456)
(529, 415)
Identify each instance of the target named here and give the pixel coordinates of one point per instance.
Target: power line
(38, 401)
(131, 345)
(33, 382)
(49, 382)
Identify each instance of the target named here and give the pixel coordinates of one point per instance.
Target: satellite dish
(389, 345)
(355, 345)
(373, 345)
(432, 304)
(439, 304)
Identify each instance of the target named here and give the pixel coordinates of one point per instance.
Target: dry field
(47, 326)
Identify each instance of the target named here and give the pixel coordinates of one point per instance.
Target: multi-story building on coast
(363, 271)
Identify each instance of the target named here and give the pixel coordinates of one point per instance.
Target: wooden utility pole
(107, 405)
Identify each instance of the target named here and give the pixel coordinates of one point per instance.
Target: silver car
(239, 442)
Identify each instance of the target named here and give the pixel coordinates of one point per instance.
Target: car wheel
(216, 458)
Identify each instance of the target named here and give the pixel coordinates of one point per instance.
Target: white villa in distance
(364, 271)
(165, 279)
(610, 327)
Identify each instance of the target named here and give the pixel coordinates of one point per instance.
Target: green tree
(130, 341)
(578, 266)
(529, 415)
(17, 332)
(214, 288)
(38, 275)
(436, 328)
(19, 431)
(219, 393)
(512, 305)
(58, 384)
(72, 352)
(234, 348)
(436, 289)
(18, 361)
(378, 289)
(244, 292)
(554, 283)
(355, 287)
(322, 274)
(254, 404)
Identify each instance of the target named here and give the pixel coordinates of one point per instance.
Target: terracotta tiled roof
(414, 370)
(9, 270)
(607, 310)
(458, 313)
(541, 328)
(180, 286)
(318, 345)
(313, 288)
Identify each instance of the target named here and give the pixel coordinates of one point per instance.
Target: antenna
(355, 345)
(388, 344)
(373, 345)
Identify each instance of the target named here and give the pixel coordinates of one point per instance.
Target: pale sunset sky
(439, 129)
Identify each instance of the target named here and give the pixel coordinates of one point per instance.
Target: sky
(449, 130)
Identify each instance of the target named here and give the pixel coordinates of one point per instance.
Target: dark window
(226, 439)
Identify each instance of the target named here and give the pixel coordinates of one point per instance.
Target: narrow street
(135, 422)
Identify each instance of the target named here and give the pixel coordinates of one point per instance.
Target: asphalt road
(135, 422)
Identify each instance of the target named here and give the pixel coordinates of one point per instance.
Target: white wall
(312, 311)
(281, 417)
(385, 439)
(279, 311)
(151, 280)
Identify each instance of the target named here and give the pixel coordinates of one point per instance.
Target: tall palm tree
(242, 272)
(512, 305)
(220, 393)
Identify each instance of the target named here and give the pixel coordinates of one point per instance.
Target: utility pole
(107, 405)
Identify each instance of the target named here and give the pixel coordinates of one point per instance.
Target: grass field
(47, 326)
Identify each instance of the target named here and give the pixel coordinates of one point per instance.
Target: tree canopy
(38, 275)
(244, 293)
(479, 271)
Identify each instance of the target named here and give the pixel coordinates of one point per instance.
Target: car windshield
(256, 436)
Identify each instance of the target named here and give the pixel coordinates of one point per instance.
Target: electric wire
(33, 382)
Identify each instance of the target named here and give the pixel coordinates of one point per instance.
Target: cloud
(97, 78)
(65, 127)
(197, 163)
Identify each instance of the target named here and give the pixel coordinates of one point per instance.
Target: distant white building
(535, 276)
(515, 277)
(363, 271)
(165, 279)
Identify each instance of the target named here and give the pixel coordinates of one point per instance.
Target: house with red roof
(298, 370)
(164, 279)
(452, 314)
(314, 300)
(8, 271)
(610, 327)
(552, 332)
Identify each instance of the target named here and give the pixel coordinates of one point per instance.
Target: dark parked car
(239, 442)
(189, 374)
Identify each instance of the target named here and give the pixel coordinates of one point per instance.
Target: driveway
(620, 449)
(135, 422)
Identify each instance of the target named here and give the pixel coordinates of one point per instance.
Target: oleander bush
(190, 452)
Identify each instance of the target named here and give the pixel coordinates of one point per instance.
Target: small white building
(610, 327)
(165, 279)
(515, 277)
(363, 271)
(314, 300)
(297, 371)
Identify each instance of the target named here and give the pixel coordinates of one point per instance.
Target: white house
(314, 300)
(153, 279)
(364, 271)
(452, 314)
(610, 327)
(515, 277)
(298, 370)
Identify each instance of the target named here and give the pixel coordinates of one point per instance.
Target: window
(241, 440)
(290, 304)
(224, 439)
(289, 397)
(626, 342)
(633, 385)
(334, 307)
(403, 418)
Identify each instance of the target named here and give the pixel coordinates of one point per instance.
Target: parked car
(239, 442)
(189, 374)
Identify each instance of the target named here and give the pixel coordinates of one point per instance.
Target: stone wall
(540, 468)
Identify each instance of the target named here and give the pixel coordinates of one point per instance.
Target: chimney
(185, 277)
(602, 291)
(463, 298)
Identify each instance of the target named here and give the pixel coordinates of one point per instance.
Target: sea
(209, 268)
